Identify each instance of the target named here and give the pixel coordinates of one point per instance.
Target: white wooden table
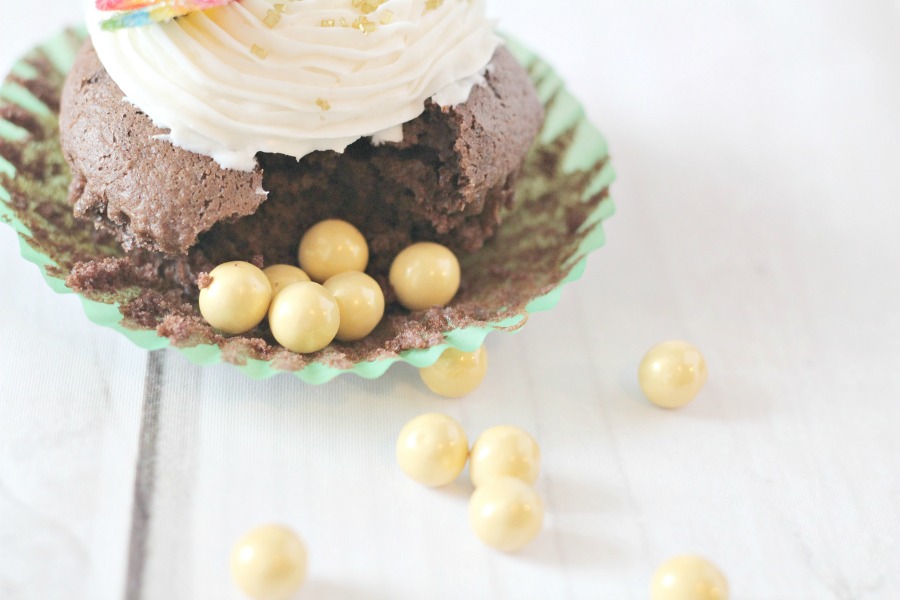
(757, 145)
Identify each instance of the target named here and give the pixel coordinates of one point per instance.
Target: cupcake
(195, 141)
(405, 117)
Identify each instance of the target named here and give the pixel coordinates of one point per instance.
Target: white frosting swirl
(197, 76)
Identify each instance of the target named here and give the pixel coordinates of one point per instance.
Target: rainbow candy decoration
(136, 13)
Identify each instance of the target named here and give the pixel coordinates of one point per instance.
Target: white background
(758, 150)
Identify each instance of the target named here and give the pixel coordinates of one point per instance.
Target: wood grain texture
(756, 145)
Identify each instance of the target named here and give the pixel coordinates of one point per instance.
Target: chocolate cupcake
(434, 120)
(447, 180)
(561, 196)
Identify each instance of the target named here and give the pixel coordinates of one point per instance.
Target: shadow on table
(571, 497)
(333, 590)
(558, 547)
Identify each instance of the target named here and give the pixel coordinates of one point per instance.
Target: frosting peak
(296, 77)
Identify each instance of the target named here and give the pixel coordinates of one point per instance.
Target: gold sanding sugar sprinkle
(327, 22)
(364, 25)
(258, 51)
(433, 4)
(272, 18)
(367, 6)
(344, 22)
(324, 104)
(273, 15)
(387, 17)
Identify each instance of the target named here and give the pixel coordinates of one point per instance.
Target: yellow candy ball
(237, 297)
(361, 303)
(672, 374)
(504, 451)
(304, 317)
(456, 373)
(432, 449)
(425, 275)
(281, 276)
(269, 563)
(506, 514)
(332, 247)
(689, 578)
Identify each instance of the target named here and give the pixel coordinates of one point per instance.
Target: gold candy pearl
(689, 578)
(672, 374)
(432, 449)
(237, 297)
(281, 276)
(269, 563)
(504, 451)
(506, 514)
(304, 317)
(425, 275)
(360, 301)
(456, 373)
(332, 247)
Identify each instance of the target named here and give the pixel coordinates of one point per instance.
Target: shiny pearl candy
(672, 374)
(269, 563)
(506, 513)
(237, 297)
(332, 247)
(456, 373)
(304, 317)
(432, 449)
(689, 578)
(504, 451)
(281, 276)
(425, 275)
(361, 303)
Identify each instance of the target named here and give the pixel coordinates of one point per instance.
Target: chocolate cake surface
(156, 196)
(448, 180)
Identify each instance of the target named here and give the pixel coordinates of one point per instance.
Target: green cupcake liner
(579, 148)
